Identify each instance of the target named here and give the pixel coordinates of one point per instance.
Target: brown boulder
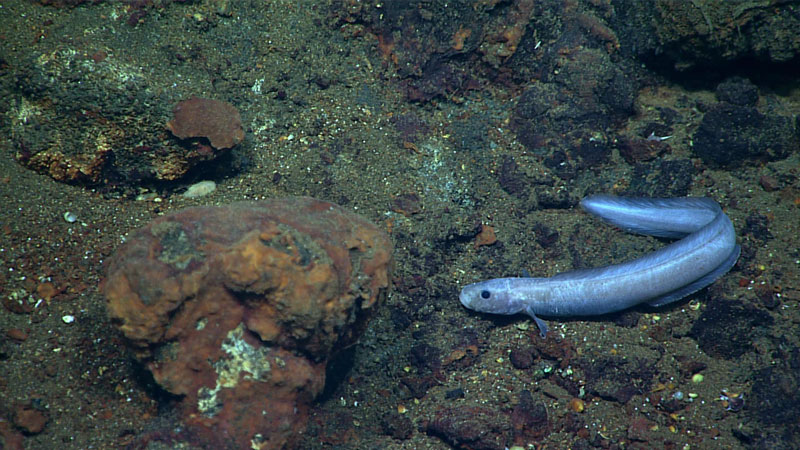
(238, 308)
(215, 120)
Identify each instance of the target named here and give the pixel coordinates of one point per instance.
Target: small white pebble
(70, 217)
(200, 189)
(68, 318)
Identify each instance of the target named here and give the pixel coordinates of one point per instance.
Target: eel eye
(486, 294)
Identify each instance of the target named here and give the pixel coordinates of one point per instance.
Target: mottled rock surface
(237, 309)
(76, 122)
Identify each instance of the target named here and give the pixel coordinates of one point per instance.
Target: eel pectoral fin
(539, 322)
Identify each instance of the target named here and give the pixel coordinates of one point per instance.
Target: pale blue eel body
(706, 251)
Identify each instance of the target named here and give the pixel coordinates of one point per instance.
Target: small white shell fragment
(200, 189)
(68, 318)
(146, 196)
(70, 217)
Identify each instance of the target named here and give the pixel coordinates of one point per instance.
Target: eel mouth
(462, 298)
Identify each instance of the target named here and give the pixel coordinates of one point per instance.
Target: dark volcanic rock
(738, 91)
(731, 134)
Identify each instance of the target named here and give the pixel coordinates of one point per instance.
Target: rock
(707, 39)
(29, 419)
(529, 418)
(17, 334)
(217, 121)
(397, 426)
(730, 135)
(471, 427)
(78, 125)
(521, 358)
(200, 189)
(634, 150)
(237, 309)
(769, 183)
(641, 429)
(729, 328)
(738, 91)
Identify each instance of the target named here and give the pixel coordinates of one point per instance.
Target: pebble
(29, 419)
(17, 334)
(68, 318)
(70, 217)
(200, 189)
(577, 405)
(769, 183)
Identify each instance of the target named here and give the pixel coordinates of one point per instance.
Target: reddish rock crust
(238, 308)
(215, 120)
